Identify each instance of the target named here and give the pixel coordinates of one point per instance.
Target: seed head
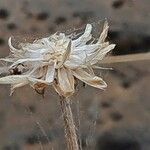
(57, 60)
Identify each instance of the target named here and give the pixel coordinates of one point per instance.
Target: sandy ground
(115, 119)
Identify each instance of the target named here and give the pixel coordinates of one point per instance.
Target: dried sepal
(65, 82)
(89, 79)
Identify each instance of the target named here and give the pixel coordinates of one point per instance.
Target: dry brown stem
(126, 58)
(69, 126)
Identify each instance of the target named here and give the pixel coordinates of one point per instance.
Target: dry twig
(126, 58)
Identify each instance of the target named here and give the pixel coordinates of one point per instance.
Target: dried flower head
(57, 60)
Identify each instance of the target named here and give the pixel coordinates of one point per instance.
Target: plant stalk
(69, 126)
(126, 58)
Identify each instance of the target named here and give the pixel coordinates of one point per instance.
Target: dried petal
(34, 81)
(13, 79)
(14, 86)
(50, 73)
(12, 49)
(101, 54)
(20, 61)
(89, 79)
(65, 55)
(81, 56)
(83, 39)
(104, 33)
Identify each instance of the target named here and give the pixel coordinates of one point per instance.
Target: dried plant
(58, 60)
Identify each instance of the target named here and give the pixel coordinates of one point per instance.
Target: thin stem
(126, 58)
(70, 130)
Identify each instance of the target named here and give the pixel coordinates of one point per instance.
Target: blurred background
(115, 119)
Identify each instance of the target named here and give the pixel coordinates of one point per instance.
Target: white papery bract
(57, 60)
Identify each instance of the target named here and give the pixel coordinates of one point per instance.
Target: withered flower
(57, 60)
